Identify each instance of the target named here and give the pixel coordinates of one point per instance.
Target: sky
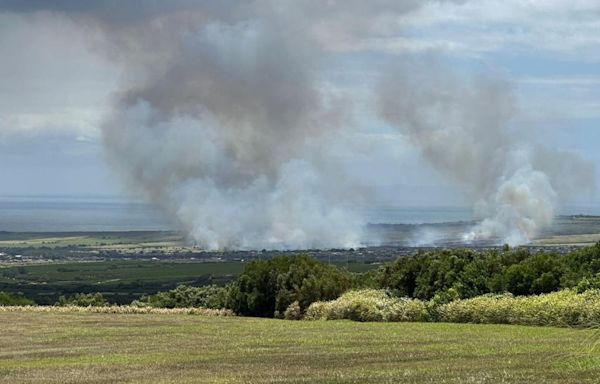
(56, 88)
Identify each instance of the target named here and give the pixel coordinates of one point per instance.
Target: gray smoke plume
(219, 130)
(224, 118)
(464, 129)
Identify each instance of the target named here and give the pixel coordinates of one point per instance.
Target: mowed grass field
(118, 348)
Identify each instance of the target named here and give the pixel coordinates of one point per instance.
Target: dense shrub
(580, 264)
(563, 308)
(471, 273)
(10, 299)
(587, 284)
(267, 288)
(539, 273)
(368, 305)
(424, 275)
(210, 296)
(293, 312)
(118, 309)
(83, 300)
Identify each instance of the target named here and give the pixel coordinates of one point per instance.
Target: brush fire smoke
(462, 127)
(225, 120)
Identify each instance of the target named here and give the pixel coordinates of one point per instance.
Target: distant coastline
(116, 213)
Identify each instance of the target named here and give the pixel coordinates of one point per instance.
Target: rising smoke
(463, 128)
(224, 120)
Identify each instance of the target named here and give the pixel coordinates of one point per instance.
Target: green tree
(83, 300)
(7, 299)
(210, 296)
(267, 288)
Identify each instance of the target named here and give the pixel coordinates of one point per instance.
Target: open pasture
(55, 347)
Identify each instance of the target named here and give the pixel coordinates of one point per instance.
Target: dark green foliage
(267, 288)
(582, 263)
(469, 273)
(210, 296)
(588, 284)
(537, 274)
(83, 300)
(7, 299)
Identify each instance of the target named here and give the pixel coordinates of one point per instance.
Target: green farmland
(119, 281)
(68, 347)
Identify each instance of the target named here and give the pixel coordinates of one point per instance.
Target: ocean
(72, 213)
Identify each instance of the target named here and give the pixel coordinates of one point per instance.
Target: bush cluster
(210, 296)
(442, 285)
(560, 309)
(7, 299)
(267, 288)
(117, 309)
(368, 305)
(470, 273)
(565, 308)
(83, 300)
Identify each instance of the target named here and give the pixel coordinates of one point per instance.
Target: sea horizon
(87, 213)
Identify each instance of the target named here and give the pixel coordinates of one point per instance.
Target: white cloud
(574, 81)
(568, 27)
(50, 80)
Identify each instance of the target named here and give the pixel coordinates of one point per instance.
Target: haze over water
(78, 213)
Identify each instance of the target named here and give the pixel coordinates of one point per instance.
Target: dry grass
(51, 346)
(120, 309)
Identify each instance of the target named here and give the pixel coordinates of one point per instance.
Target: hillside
(57, 347)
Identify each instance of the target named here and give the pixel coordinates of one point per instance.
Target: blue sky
(55, 89)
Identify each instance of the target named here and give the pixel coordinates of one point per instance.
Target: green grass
(107, 348)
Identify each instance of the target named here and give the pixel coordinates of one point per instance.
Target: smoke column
(224, 118)
(223, 127)
(463, 128)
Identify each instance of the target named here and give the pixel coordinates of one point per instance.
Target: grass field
(108, 348)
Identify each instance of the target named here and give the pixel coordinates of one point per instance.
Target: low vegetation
(10, 299)
(83, 300)
(117, 309)
(267, 288)
(368, 305)
(565, 308)
(493, 286)
(120, 282)
(210, 296)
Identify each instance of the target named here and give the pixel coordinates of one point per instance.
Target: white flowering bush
(563, 308)
(120, 309)
(368, 305)
(293, 311)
